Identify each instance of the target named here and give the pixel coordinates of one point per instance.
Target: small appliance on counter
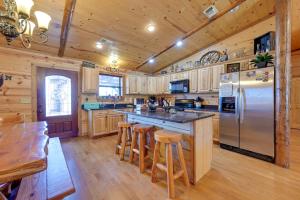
(152, 104)
(198, 102)
(139, 101)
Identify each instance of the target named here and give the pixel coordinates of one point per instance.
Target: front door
(57, 102)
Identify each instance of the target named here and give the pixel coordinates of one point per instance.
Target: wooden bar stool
(168, 138)
(140, 146)
(124, 138)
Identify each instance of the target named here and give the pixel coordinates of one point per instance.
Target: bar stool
(168, 138)
(124, 138)
(140, 146)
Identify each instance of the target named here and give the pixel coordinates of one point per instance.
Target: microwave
(182, 86)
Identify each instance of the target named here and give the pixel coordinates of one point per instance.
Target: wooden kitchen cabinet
(166, 84)
(90, 80)
(152, 85)
(216, 72)
(103, 122)
(131, 84)
(193, 77)
(179, 76)
(112, 122)
(141, 84)
(204, 80)
(216, 129)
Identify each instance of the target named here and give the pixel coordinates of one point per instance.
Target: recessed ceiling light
(150, 28)
(99, 45)
(233, 10)
(179, 43)
(151, 61)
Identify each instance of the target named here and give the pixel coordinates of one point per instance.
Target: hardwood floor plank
(98, 174)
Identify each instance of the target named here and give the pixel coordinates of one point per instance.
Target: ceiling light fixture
(15, 22)
(151, 61)
(233, 10)
(150, 28)
(179, 43)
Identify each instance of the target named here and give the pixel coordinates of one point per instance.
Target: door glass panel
(58, 96)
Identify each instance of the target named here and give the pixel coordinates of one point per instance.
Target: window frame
(121, 88)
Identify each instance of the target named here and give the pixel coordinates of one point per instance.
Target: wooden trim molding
(283, 81)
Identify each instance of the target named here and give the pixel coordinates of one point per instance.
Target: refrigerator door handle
(243, 103)
(237, 110)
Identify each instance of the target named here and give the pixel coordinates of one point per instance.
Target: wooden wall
(240, 43)
(17, 92)
(295, 104)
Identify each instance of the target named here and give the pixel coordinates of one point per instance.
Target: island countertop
(179, 117)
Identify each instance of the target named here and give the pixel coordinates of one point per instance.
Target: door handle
(243, 103)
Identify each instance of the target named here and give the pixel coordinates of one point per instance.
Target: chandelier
(15, 22)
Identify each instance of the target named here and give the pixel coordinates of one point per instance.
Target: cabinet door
(204, 80)
(100, 124)
(193, 77)
(131, 84)
(112, 122)
(216, 75)
(90, 80)
(166, 84)
(142, 85)
(152, 85)
(159, 85)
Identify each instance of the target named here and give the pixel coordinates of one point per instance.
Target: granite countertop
(179, 117)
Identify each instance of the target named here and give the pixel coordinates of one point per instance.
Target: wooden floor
(98, 174)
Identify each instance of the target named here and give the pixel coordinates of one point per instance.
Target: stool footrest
(161, 167)
(136, 151)
(178, 174)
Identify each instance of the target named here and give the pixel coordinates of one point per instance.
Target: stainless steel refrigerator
(247, 112)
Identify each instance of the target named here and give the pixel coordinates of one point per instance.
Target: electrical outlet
(25, 100)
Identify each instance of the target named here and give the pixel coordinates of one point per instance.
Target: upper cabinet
(179, 76)
(193, 77)
(216, 72)
(204, 80)
(141, 84)
(90, 80)
(152, 85)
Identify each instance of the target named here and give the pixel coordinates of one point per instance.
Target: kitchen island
(197, 131)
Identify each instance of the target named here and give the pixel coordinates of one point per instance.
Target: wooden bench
(53, 183)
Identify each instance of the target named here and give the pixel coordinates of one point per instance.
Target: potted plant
(262, 60)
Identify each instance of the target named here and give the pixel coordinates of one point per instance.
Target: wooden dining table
(23, 150)
(29, 155)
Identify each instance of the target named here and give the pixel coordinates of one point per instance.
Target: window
(110, 86)
(58, 96)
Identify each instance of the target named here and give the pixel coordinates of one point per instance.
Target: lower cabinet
(216, 129)
(103, 122)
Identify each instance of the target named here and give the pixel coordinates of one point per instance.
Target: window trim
(121, 86)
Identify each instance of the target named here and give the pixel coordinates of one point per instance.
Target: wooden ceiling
(123, 22)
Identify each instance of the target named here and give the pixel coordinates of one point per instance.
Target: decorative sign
(88, 64)
(3, 78)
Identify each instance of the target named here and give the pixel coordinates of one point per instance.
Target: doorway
(57, 102)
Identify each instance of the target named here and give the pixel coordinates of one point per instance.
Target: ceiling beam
(195, 30)
(66, 24)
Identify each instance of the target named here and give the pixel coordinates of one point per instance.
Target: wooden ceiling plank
(219, 40)
(187, 35)
(66, 24)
